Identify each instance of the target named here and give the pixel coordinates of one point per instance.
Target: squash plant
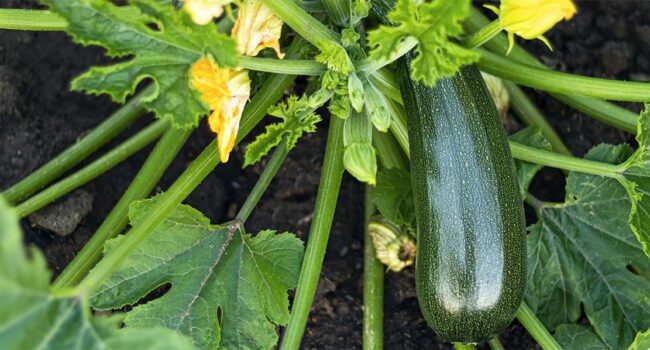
(586, 256)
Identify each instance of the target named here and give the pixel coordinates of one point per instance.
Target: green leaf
(297, 117)
(641, 342)
(33, 318)
(577, 337)
(393, 196)
(434, 25)
(334, 56)
(228, 289)
(163, 54)
(637, 174)
(583, 252)
(530, 136)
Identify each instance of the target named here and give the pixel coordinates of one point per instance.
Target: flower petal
(256, 28)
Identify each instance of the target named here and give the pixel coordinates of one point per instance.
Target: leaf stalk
(94, 169)
(328, 191)
(536, 329)
(148, 176)
(99, 136)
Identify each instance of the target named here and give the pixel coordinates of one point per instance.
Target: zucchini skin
(471, 249)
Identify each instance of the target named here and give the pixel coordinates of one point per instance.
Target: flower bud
(360, 160)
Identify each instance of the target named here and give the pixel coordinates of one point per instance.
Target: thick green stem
(530, 115)
(328, 192)
(272, 89)
(271, 169)
(483, 35)
(302, 22)
(338, 10)
(292, 67)
(19, 19)
(461, 346)
(495, 344)
(72, 156)
(603, 111)
(562, 161)
(94, 169)
(390, 156)
(148, 176)
(373, 286)
(598, 109)
(536, 329)
(563, 83)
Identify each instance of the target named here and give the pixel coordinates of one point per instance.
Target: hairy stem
(302, 22)
(37, 20)
(536, 329)
(94, 169)
(562, 161)
(483, 35)
(148, 176)
(292, 67)
(563, 83)
(101, 134)
(328, 191)
(338, 10)
(373, 286)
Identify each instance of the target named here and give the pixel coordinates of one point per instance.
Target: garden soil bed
(39, 118)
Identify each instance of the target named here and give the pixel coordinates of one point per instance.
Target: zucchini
(470, 265)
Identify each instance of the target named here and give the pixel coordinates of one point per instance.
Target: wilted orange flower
(257, 28)
(530, 19)
(203, 11)
(226, 91)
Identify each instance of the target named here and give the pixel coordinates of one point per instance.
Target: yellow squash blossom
(257, 28)
(203, 11)
(530, 19)
(226, 91)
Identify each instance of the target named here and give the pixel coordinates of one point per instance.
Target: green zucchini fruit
(470, 265)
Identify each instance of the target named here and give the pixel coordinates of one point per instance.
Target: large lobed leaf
(33, 318)
(583, 252)
(228, 289)
(434, 25)
(163, 43)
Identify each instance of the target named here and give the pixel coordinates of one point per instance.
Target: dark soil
(39, 118)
